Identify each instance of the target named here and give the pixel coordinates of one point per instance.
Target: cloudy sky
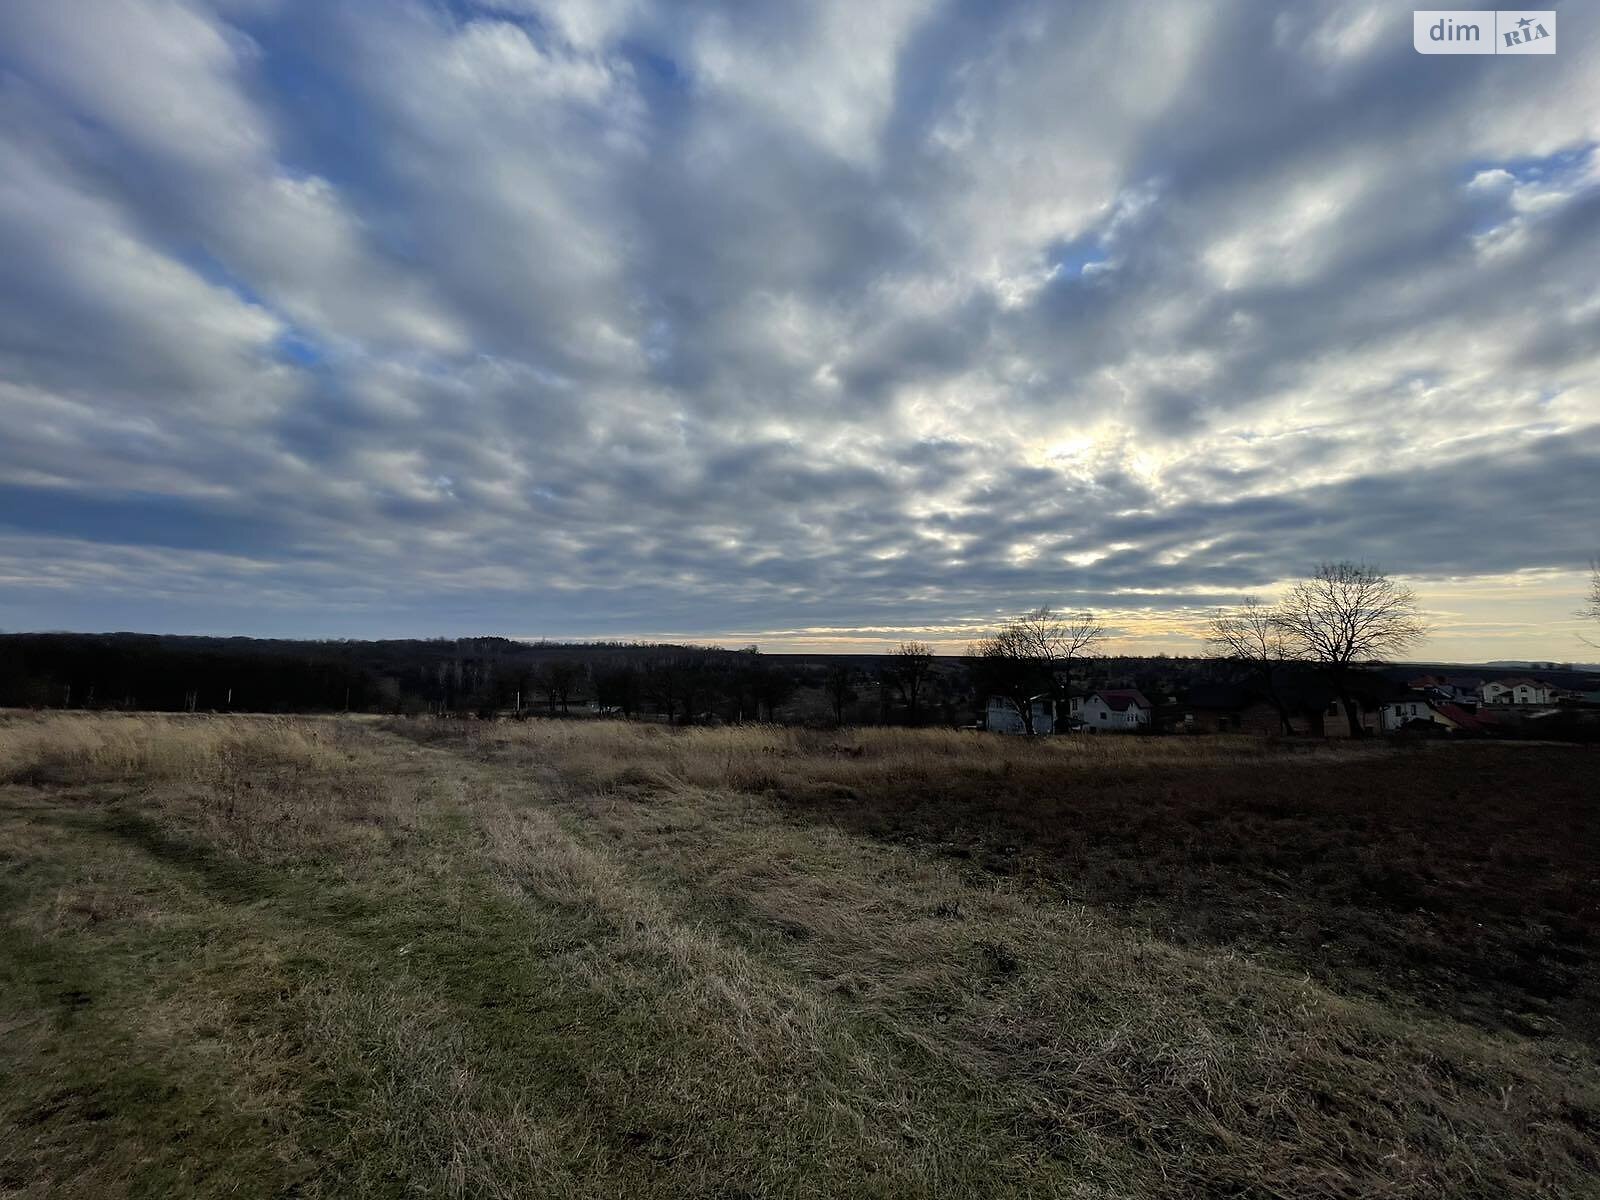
(809, 324)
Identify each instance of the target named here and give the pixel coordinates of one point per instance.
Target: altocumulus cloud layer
(610, 317)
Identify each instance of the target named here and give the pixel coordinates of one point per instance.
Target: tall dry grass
(75, 748)
(891, 981)
(755, 758)
(256, 788)
(589, 959)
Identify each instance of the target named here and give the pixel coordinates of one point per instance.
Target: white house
(1395, 715)
(1001, 716)
(1517, 691)
(1120, 709)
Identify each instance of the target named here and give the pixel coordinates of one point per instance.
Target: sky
(814, 325)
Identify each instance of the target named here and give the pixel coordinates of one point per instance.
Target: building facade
(1122, 710)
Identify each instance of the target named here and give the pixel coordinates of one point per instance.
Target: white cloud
(167, 78)
(752, 317)
(825, 73)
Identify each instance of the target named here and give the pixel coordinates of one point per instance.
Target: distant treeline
(178, 673)
(495, 675)
(678, 683)
(498, 676)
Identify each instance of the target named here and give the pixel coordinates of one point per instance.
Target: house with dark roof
(1124, 710)
(1457, 689)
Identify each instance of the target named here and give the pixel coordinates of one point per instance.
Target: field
(335, 958)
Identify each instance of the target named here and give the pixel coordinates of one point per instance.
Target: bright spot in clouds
(812, 324)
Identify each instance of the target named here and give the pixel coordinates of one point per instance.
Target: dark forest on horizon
(488, 676)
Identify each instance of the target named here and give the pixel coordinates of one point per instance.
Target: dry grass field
(343, 958)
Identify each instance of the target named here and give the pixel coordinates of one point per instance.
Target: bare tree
(1347, 614)
(1034, 653)
(839, 683)
(1253, 635)
(1058, 639)
(1003, 665)
(910, 663)
(771, 686)
(679, 685)
(1591, 610)
(618, 687)
(664, 682)
(544, 682)
(563, 676)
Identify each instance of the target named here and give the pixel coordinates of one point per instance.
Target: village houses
(1517, 691)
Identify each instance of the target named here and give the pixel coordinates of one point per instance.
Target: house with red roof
(1421, 710)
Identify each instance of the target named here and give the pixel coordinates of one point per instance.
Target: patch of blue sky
(1081, 258)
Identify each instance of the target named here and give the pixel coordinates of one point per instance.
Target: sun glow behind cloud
(772, 323)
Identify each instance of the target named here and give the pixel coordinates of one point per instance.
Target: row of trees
(1344, 616)
(745, 686)
(1341, 617)
(688, 684)
(484, 675)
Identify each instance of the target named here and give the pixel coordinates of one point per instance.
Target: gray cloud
(602, 318)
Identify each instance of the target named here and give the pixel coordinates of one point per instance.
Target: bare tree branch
(1033, 653)
(909, 666)
(1347, 614)
(1591, 610)
(1253, 634)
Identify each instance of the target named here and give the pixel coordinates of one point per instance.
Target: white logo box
(1483, 31)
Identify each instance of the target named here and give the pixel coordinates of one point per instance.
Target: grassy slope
(326, 959)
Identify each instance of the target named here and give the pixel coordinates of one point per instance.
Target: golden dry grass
(85, 748)
(254, 957)
(753, 757)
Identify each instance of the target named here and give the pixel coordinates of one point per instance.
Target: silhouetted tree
(564, 676)
(1345, 615)
(1252, 635)
(1591, 610)
(908, 669)
(1032, 654)
(661, 683)
(1004, 665)
(1060, 639)
(839, 684)
(754, 686)
(679, 685)
(618, 687)
(772, 686)
(544, 682)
